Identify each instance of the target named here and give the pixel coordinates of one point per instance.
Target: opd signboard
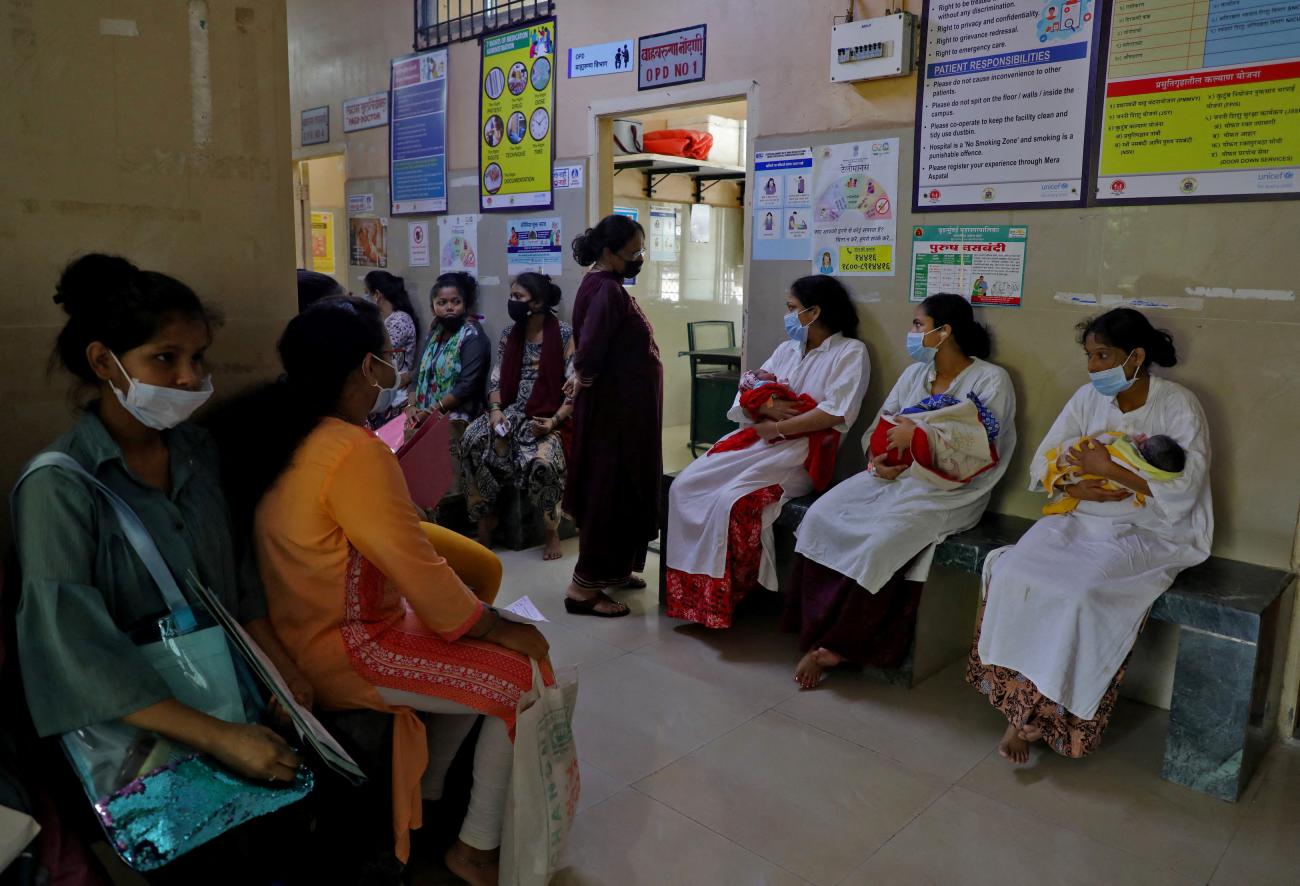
(672, 57)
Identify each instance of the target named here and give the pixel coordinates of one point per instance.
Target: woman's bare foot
(486, 527)
(605, 606)
(551, 550)
(812, 668)
(1013, 747)
(1030, 733)
(478, 867)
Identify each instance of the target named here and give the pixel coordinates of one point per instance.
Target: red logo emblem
(1117, 186)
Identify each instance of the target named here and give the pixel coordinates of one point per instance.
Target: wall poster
(458, 235)
(533, 244)
(368, 242)
(783, 186)
(985, 264)
(1003, 103)
(516, 144)
(322, 241)
(662, 245)
(417, 133)
(1202, 101)
(854, 225)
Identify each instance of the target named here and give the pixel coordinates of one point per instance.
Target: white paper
(524, 608)
(458, 236)
(701, 219)
(417, 234)
(360, 203)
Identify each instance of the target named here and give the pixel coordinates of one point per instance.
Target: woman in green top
(138, 338)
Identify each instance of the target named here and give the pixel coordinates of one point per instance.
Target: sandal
(588, 607)
(635, 583)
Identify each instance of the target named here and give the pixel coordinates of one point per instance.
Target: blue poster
(782, 204)
(417, 133)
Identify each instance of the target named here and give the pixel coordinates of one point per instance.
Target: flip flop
(634, 583)
(588, 607)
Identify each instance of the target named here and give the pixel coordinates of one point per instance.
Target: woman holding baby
(1064, 605)
(792, 413)
(938, 447)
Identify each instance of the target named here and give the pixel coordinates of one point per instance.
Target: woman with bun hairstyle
(864, 548)
(388, 291)
(616, 464)
(1065, 603)
(137, 342)
(518, 440)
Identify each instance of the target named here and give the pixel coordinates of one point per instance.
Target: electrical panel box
(872, 48)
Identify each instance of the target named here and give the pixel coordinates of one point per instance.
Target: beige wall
(104, 150)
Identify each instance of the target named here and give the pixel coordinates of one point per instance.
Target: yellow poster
(517, 104)
(322, 242)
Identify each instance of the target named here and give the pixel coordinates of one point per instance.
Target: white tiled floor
(703, 765)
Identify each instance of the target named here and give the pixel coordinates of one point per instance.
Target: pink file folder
(425, 458)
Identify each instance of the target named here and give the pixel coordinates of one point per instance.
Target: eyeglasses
(640, 253)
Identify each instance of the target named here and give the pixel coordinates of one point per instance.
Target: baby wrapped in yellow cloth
(1157, 458)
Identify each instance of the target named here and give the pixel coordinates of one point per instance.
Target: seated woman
(373, 613)
(136, 340)
(388, 291)
(864, 548)
(792, 413)
(518, 440)
(1064, 605)
(452, 378)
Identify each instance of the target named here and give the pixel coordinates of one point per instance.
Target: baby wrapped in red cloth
(954, 440)
(758, 388)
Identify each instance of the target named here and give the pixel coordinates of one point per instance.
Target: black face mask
(519, 310)
(452, 324)
(632, 268)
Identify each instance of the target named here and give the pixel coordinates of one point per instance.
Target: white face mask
(384, 400)
(158, 407)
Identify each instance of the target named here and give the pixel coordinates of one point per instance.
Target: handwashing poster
(854, 226)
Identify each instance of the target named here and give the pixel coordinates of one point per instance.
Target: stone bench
(1223, 708)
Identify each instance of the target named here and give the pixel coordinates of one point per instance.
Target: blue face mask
(1113, 381)
(794, 330)
(917, 350)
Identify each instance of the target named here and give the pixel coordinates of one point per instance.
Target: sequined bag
(157, 799)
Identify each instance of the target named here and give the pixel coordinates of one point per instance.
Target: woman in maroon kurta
(616, 462)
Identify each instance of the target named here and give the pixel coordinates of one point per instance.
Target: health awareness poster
(517, 113)
(984, 264)
(783, 185)
(458, 236)
(1202, 101)
(322, 242)
(854, 224)
(533, 244)
(1003, 103)
(417, 133)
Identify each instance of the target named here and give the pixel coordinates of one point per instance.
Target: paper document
(524, 608)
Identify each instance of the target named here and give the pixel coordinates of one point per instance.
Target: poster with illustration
(368, 242)
(517, 110)
(534, 244)
(458, 239)
(663, 244)
(417, 134)
(782, 217)
(854, 219)
(984, 264)
(322, 242)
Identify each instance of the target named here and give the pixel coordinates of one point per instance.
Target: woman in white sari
(1064, 605)
(792, 413)
(865, 547)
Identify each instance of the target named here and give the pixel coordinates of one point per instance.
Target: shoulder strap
(132, 526)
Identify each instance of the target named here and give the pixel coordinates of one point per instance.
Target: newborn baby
(1157, 457)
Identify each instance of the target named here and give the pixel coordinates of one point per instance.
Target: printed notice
(534, 244)
(783, 185)
(985, 264)
(854, 225)
(417, 137)
(1202, 100)
(1004, 103)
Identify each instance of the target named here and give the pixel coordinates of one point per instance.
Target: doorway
(320, 216)
(692, 286)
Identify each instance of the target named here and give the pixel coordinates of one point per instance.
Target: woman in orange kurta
(377, 610)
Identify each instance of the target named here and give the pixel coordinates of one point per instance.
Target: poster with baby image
(854, 226)
(458, 237)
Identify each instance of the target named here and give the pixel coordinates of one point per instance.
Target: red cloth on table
(689, 143)
(823, 445)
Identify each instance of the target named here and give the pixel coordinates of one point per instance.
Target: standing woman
(612, 491)
(1065, 603)
(389, 293)
(518, 440)
(721, 508)
(864, 548)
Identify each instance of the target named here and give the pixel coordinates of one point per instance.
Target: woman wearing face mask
(138, 340)
(864, 549)
(719, 546)
(378, 611)
(1064, 604)
(518, 440)
(612, 491)
(454, 369)
(388, 291)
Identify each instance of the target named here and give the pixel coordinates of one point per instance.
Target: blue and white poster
(417, 148)
(533, 244)
(783, 185)
(601, 58)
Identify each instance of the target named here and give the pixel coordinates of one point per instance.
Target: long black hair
(393, 288)
(540, 287)
(829, 294)
(109, 300)
(258, 433)
(463, 283)
(953, 311)
(1126, 329)
(613, 233)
